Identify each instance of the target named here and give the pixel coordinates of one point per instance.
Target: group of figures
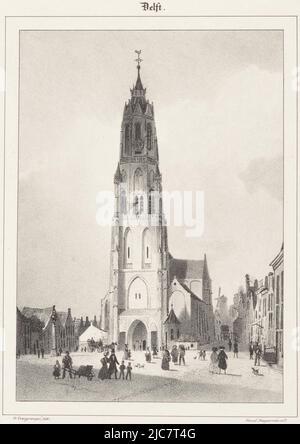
(110, 365)
(177, 356)
(218, 360)
(255, 351)
(67, 365)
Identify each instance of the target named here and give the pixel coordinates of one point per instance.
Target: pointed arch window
(149, 136)
(127, 140)
(138, 294)
(137, 131)
(138, 180)
(123, 202)
(151, 178)
(147, 253)
(141, 204)
(151, 208)
(128, 248)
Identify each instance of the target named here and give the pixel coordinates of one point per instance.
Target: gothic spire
(138, 90)
(139, 85)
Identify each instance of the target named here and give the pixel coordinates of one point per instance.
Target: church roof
(191, 292)
(42, 314)
(186, 269)
(172, 318)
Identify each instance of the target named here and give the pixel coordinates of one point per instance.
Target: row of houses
(258, 312)
(49, 330)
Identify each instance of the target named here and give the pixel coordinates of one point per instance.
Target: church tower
(135, 308)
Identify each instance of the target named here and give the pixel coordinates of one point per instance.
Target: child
(122, 370)
(129, 370)
(57, 370)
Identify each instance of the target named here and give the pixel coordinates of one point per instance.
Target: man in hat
(113, 362)
(67, 365)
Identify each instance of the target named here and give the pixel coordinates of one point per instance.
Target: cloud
(264, 174)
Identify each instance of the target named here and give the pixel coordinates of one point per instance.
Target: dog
(139, 366)
(256, 372)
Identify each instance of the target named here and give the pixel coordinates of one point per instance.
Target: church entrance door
(137, 336)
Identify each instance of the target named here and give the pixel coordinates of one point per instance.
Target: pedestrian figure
(222, 360)
(204, 355)
(39, 353)
(113, 362)
(174, 355)
(103, 373)
(122, 370)
(129, 371)
(148, 355)
(213, 367)
(43, 353)
(126, 353)
(60, 351)
(230, 345)
(155, 352)
(258, 354)
(200, 354)
(67, 365)
(251, 351)
(165, 364)
(57, 370)
(236, 350)
(182, 355)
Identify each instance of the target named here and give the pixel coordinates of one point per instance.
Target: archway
(138, 336)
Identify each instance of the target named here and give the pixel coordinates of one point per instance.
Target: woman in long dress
(148, 355)
(222, 360)
(165, 365)
(175, 354)
(103, 373)
(213, 367)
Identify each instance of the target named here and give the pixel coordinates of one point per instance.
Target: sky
(218, 98)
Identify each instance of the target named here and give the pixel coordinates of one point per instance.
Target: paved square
(192, 383)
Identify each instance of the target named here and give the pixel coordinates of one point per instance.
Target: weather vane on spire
(138, 60)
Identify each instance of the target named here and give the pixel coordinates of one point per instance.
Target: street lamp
(53, 321)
